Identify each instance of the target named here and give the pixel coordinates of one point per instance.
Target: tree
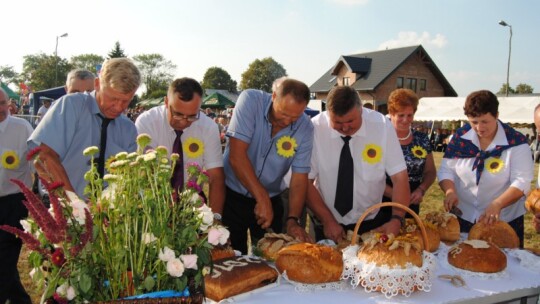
(87, 61)
(8, 75)
(156, 71)
(524, 88)
(218, 78)
(39, 71)
(117, 51)
(502, 91)
(261, 74)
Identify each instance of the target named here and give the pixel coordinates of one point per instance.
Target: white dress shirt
(14, 132)
(517, 171)
(369, 178)
(154, 123)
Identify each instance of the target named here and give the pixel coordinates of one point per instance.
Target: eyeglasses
(180, 116)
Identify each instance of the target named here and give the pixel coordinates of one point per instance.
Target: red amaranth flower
(58, 257)
(59, 299)
(59, 217)
(31, 242)
(33, 153)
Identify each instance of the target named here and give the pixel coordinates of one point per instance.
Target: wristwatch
(399, 218)
(217, 216)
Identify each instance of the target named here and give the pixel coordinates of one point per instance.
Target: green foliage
(157, 73)
(217, 78)
(39, 71)
(524, 88)
(86, 61)
(117, 51)
(261, 74)
(8, 75)
(502, 91)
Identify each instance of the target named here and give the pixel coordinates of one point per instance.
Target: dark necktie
(103, 144)
(177, 180)
(345, 181)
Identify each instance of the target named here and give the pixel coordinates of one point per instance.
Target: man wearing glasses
(181, 127)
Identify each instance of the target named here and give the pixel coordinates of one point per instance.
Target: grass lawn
(432, 201)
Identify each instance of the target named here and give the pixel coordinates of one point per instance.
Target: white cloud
(350, 2)
(413, 38)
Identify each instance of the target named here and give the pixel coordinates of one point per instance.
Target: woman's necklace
(408, 135)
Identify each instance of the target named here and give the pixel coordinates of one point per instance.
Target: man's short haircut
(342, 99)
(297, 89)
(80, 74)
(185, 88)
(120, 74)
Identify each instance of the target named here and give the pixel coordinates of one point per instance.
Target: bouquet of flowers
(136, 236)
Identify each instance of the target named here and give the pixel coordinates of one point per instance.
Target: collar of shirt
(498, 140)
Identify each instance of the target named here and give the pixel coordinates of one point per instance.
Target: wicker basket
(391, 281)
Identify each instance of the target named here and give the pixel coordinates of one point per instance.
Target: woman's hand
(417, 196)
(491, 214)
(450, 200)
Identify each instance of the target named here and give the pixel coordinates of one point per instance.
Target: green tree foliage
(261, 74)
(157, 72)
(217, 78)
(8, 75)
(39, 71)
(524, 88)
(117, 51)
(86, 61)
(502, 91)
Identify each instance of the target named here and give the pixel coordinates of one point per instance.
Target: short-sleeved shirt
(71, 125)
(515, 169)
(250, 123)
(154, 123)
(375, 151)
(14, 132)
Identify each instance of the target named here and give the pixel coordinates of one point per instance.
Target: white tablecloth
(519, 282)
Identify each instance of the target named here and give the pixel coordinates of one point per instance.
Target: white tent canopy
(511, 109)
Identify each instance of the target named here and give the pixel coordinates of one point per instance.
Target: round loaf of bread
(392, 252)
(221, 252)
(477, 256)
(310, 263)
(432, 232)
(533, 201)
(499, 233)
(271, 243)
(447, 225)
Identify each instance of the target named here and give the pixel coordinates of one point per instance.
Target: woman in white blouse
(487, 168)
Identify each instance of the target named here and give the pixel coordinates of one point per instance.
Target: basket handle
(391, 204)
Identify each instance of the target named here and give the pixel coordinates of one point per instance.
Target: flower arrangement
(136, 236)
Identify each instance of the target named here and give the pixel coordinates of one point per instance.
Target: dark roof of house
(373, 68)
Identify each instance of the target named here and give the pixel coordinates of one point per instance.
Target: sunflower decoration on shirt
(494, 165)
(419, 152)
(10, 160)
(286, 146)
(193, 147)
(372, 153)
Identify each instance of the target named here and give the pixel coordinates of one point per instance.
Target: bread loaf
(533, 201)
(222, 252)
(237, 275)
(499, 233)
(477, 256)
(310, 263)
(432, 232)
(446, 223)
(271, 243)
(394, 252)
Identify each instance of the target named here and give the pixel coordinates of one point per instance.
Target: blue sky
(307, 37)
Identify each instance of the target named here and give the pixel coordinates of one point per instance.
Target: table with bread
(425, 263)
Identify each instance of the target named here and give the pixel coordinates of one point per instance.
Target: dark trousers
(12, 211)
(517, 224)
(380, 219)
(239, 216)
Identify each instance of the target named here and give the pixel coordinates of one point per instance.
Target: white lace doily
(442, 256)
(389, 281)
(526, 259)
(304, 287)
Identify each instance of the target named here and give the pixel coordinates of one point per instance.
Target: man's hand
(334, 231)
(264, 214)
(298, 232)
(391, 227)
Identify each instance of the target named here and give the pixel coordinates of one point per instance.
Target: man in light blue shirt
(268, 135)
(75, 123)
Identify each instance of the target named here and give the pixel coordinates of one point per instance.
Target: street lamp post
(56, 58)
(509, 53)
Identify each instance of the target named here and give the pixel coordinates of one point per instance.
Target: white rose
(207, 216)
(190, 260)
(62, 289)
(166, 254)
(70, 294)
(175, 268)
(224, 236)
(148, 238)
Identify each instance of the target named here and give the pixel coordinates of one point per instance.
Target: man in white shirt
(199, 134)
(44, 108)
(375, 151)
(14, 132)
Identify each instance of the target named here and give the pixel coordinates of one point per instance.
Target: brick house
(375, 74)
